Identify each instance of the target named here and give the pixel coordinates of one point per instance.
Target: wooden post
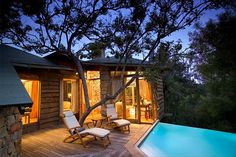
(154, 117)
(124, 102)
(138, 100)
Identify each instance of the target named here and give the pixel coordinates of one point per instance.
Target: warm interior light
(93, 84)
(130, 72)
(31, 114)
(132, 111)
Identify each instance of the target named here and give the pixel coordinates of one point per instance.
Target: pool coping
(132, 145)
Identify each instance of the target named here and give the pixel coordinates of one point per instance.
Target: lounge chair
(114, 121)
(77, 132)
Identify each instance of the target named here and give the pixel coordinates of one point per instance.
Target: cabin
(53, 85)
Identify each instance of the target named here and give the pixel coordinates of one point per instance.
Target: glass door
(131, 101)
(70, 95)
(146, 105)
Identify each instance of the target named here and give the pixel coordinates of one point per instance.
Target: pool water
(168, 140)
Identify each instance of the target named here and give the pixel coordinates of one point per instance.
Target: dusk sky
(183, 34)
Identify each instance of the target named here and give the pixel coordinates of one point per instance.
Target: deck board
(49, 142)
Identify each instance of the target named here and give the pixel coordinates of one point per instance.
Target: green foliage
(10, 14)
(210, 104)
(217, 65)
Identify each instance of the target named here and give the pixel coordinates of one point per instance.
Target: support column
(105, 86)
(138, 100)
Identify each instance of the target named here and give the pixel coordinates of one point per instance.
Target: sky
(183, 34)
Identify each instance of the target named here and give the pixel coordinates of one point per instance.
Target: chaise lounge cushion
(121, 122)
(96, 131)
(70, 120)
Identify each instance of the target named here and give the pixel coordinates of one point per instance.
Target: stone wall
(105, 87)
(10, 131)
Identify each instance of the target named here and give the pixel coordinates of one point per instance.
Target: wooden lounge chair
(77, 132)
(114, 121)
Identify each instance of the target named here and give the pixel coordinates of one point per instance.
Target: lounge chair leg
(66, 139)
(122, 129)
(108, 139)
(73, 139)
(84, 145)
(81, 139)
(103, 141)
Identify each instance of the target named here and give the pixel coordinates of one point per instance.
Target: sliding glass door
(146, 104)
(135, 103)
(131, 101)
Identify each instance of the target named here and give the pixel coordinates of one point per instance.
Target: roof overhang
(12, 91)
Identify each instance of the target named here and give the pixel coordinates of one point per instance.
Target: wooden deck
(49, 142)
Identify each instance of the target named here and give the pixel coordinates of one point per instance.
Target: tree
(123, 28)
(11, 11)
(214, 46)
(181, 92)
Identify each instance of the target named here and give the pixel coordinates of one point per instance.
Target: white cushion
(121, 122)
(112, 112)
(96, 131)
(70, 120)
(68, 113)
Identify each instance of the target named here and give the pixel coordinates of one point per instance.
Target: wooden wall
(50, 99)
(160, 98)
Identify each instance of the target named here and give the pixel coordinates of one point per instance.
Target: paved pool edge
(133, 145)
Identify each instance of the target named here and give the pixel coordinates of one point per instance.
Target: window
(70, 95)
(94, 92)
(32, 114)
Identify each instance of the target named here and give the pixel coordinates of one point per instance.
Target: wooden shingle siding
(50, 100)
(49, 105)
(160, 99)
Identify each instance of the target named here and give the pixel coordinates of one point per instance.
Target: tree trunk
(81, 74)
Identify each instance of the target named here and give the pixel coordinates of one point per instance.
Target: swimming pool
(169, 140)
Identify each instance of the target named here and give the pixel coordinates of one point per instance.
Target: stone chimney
(100, 55)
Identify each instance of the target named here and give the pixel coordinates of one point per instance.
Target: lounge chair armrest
(75, 127)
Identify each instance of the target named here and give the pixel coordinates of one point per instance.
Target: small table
(99, 119)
